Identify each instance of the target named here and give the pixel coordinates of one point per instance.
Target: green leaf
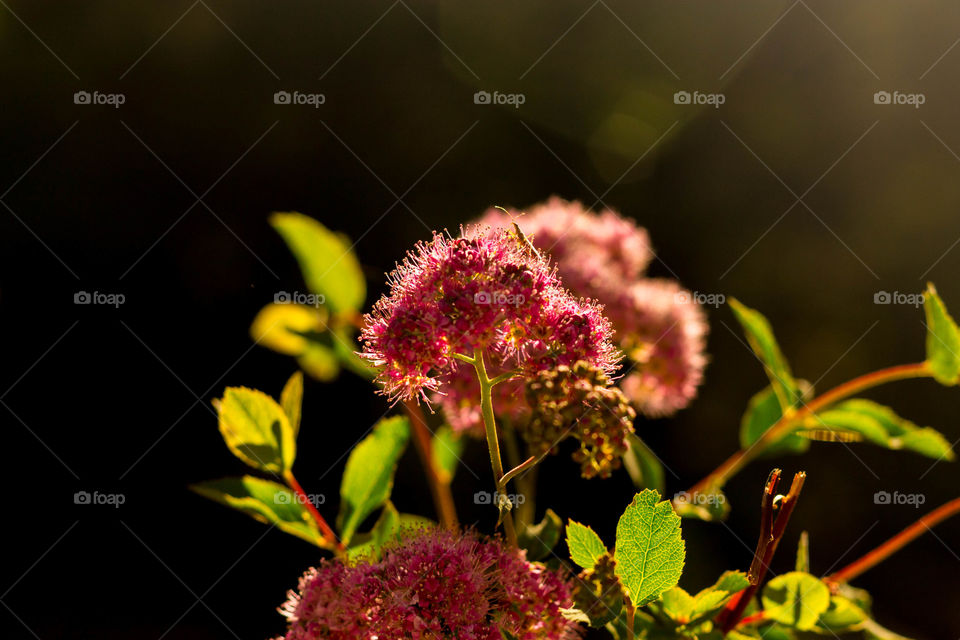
(330, 267)
(882, 426)
(286, 328)
(643, 465)
(574, 615)
(385, 529)
(842, 616)
(711, 600)
(291, 400)
(585, 545)
(795, 599)
(256, 429)
(265, 501)
(540, 539)
(943, 339)
(762, 412)
(649, 551)
(764, 345)
(677, 604)
(446, 448)
(711, 505)
(368, 477)
(320, 362)
(803, 553)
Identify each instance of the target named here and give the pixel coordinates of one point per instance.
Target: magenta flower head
(433, 585)
(484, 290)
(659, 327)
(593, 251)
(663, 332)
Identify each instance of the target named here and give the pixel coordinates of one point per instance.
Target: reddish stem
(439, 488)
(325, 529)
(773, 524)
(782, 427)
(752, 618)
(895, 543)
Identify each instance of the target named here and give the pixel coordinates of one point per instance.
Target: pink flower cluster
(489, 292)
(433, 585)
(658, 324)
(663, 332)
(593, 252)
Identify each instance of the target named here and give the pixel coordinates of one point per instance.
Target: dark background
(105, 199)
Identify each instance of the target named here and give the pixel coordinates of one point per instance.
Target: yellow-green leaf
(943, 339)
(291, 399)
(329, 265)
(764, 345)
(649, 551)
(283, 327)
(265, 501)
(256, 429)
(880, 425)
(795, 599)
(585, 545)
(446, 447)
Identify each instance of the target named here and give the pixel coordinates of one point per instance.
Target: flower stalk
(493, 443)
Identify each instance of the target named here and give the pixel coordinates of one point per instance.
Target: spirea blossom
(658, 325)
(593, 251)
(663, 332)
(433, 585)
(488, 292)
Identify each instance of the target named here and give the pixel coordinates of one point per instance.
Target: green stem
(791, 419)
(526, 482)
(493, 444)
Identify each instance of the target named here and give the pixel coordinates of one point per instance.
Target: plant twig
(894, 544)
(783, 426)
(493, 444)
(439, 488)
(775, 511)
(325, 529)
